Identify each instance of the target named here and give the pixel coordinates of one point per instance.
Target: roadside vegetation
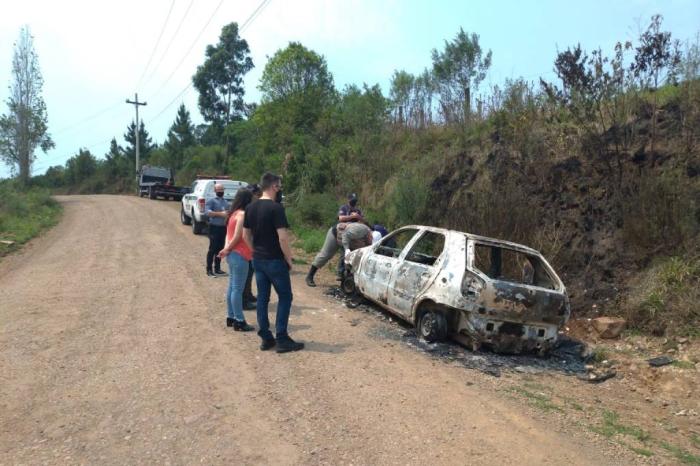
(598, 168)
(24, 214)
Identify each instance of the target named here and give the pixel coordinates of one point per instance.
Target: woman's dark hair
(241, 201)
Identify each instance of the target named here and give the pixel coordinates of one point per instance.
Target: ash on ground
(569, 356)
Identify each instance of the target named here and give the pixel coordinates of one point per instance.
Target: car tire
(432, 326)
(348, 285)
(184, 218)
(197, 227)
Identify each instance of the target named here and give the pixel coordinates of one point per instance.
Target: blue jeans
(273, 273)
(238, 272)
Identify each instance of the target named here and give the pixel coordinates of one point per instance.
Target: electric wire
(160, 88)
(246, 23)
(89, 118)
(167, 48)
(155, 47)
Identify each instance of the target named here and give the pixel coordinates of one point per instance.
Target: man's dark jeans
(273, 273)
(217, 241)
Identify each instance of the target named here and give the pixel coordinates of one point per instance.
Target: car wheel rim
(428, 325)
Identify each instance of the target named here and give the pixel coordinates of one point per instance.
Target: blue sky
(93, 54)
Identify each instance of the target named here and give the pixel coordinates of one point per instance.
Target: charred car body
(479, 291)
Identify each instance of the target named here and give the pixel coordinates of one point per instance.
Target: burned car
(478, 291)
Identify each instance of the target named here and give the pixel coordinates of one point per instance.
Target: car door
(376, 271)
(188, 199)
(415, 271)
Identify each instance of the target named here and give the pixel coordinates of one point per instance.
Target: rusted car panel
(488, 292)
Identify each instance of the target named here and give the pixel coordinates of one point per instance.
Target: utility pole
(136, 104)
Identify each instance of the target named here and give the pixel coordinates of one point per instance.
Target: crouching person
(349, 236)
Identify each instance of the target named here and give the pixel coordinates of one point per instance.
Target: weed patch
(683, 364)
(684, 456)
(538, 400)
(611, 426)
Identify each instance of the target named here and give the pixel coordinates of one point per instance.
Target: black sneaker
(210, 274)
(220, 272)
(286, 345)
(267, 343)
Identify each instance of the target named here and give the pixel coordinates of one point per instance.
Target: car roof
(477, 238)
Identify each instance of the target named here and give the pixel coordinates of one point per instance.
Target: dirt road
(114, 350)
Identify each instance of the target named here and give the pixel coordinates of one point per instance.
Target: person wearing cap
(348, 213)
(344, 237)
(216, 210)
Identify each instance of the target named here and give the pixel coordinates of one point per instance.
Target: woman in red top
(237, 255)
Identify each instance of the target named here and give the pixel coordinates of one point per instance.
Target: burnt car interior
(392, 245)
(427, 249)
(509, 265)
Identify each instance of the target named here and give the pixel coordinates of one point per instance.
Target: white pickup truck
(192, 210)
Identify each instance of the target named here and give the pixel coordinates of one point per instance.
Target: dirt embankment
(113, 350)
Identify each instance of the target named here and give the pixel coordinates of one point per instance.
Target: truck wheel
(432, 326)
(184, 218)
(197, 227)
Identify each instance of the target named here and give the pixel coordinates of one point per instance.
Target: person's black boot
(230, 322)
(310, 276)
(267, 343)
(219, 272)
(286, 344)
(210, 274)
(242, 326)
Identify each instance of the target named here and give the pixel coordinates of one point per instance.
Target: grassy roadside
(24, 215)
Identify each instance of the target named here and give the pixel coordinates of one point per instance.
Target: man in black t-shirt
(265, 231)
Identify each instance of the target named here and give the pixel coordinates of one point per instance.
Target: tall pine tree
(25, 127)
(145, 143)
(180, 137)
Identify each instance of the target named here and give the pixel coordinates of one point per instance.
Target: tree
(25, 127)
(458, 70)
(80, 167)
(297, 71)
(145, 143)
(219, 80)
(297, 87)
(180, 136)
(400, 95)
(655, 62)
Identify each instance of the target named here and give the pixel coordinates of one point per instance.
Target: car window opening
(391, 246)
(512, 266)
(427, 249)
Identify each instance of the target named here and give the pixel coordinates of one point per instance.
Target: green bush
(314, 210)
(24, 214)
(408, 200)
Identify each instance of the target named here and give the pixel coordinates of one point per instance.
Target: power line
(172, 39)
(89, 118)
(46, 166)
(246, 23)
(254, 15)
(155, 47)
(188, 50)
